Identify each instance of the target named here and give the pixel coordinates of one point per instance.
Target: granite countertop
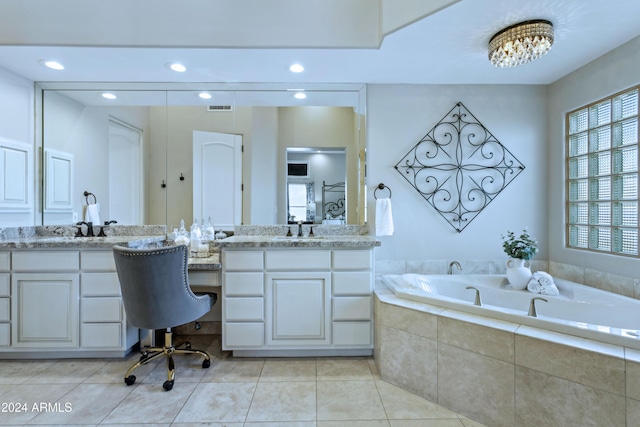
(325, 241)
(65, 242)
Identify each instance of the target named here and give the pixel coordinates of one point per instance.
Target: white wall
(400, 115)
(16, 124)
(609, 74)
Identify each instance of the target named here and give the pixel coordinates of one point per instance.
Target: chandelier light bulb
(521, 43)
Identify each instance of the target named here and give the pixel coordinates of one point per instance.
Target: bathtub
(579, 310)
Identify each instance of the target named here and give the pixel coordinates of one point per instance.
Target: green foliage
(522, 247)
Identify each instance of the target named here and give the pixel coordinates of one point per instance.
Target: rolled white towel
(545, 282)
(534, 286)
(551, 290)
(543, 278)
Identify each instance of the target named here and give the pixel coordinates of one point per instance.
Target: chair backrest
(155, 287)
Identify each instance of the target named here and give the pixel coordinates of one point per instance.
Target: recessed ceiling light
(204, 95)
(54, 65)
(177, 67)
(296, 68)
(108, 95)
(300, 95)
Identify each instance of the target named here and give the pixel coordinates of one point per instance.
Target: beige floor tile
(114, 371)
(470, 423)
(223, 371)
(28, 395)
(150, 403)
(349, 400)
(228, 402)
(17, 372)
(283, 424)
(402, 405)
(284, 401)
(289, 370)
(67, 372)
(343, 369)
(357, 423)
(86, 404)
(426, 423)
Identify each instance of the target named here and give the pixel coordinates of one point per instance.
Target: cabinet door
(298, 308)
(44, 310)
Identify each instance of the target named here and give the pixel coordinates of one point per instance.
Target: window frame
(590, 154)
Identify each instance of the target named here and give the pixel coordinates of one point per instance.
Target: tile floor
(233, 392)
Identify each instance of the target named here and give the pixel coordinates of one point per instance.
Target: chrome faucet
(532, 306)
(477, 301)
(451, 264)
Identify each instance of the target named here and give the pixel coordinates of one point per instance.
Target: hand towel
(92, 214)
(384, 218)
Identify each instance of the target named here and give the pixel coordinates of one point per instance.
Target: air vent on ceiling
(219, 108)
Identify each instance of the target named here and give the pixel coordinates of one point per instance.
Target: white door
(125, 170)
(217, 178)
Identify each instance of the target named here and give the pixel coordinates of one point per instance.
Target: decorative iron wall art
(459, 167)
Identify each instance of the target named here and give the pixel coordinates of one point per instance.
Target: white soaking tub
(579, 310)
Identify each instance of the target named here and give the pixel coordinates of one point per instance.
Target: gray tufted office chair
(156, 295)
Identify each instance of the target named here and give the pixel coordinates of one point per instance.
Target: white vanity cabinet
(5, 299)
(44, 299)
(62, 303)
(102, 317)
(297, 301)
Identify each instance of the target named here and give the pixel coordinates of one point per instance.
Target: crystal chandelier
(521, 43)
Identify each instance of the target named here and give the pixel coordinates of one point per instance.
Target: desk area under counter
(290, 296)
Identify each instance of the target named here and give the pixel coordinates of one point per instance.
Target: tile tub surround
(614, 283)
(504, 374)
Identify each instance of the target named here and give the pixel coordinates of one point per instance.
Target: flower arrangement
(522, 247)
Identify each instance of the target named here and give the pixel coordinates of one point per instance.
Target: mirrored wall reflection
(159, 156)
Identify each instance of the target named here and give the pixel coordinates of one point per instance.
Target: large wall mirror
(157, 154)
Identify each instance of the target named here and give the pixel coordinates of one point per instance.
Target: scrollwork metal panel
(459, 167)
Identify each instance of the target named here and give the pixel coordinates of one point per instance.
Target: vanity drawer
(5, 335)
(204, 278)
(352, 283)
(352, 333)
(243, 260)
(101, 335)
(5, 310)
(243, 309)
(243, 335)
(4, 261)
(97, 261)
(99, 284)
(352, 259)
(352, 308)
(244, 284)
(101, 310)
(46, 261)
(298, 260)
(5, 288)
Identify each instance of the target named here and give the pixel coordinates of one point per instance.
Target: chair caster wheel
(168, 385)
(130, 380)
(188, 345)
(206, 363)
(144, 356)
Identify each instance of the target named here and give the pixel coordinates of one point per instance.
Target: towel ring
(381, 186)
(86, 196)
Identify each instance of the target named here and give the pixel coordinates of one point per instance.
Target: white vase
(518, 273)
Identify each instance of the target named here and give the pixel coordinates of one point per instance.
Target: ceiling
(446, 45)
